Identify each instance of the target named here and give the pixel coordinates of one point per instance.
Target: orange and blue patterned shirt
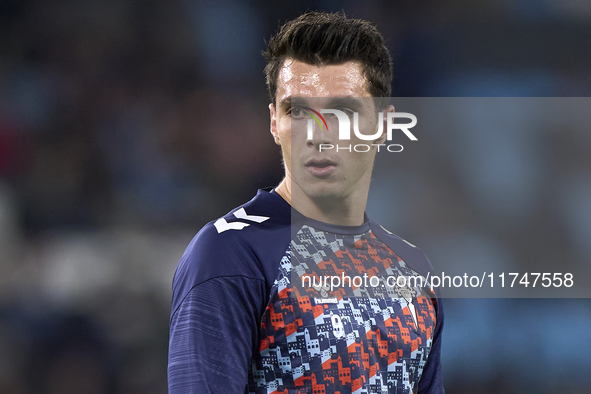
(255, 308)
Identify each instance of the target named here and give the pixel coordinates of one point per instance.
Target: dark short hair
(321, 39)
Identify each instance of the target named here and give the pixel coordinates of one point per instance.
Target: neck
(348, 211)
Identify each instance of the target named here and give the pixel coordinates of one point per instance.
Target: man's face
(318, 172)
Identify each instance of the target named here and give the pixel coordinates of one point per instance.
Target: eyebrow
(285, 103)
(353, 103)
(335, 102)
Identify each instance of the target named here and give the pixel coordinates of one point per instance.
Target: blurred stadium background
(123, 128)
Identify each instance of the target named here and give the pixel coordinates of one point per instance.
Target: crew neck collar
(334, 228)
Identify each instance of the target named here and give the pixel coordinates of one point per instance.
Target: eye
(296, 112)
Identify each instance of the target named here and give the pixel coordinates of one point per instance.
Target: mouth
(321, 167)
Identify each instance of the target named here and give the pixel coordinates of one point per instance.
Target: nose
(317, 134)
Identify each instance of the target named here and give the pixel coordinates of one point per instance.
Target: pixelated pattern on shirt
(376, 341)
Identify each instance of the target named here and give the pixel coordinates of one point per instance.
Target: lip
(321, 167)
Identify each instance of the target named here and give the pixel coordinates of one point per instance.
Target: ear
(273, 116)
(382, 138)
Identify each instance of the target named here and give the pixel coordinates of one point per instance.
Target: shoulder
(224, 246)
(236, 244)
(412, 255)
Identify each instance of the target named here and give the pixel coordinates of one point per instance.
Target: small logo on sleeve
(222, 225)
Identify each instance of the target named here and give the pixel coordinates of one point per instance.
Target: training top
(255, 308)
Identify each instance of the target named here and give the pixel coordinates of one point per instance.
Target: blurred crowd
(126, 125)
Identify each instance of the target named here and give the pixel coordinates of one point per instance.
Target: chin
(319, 189)
(323, 192)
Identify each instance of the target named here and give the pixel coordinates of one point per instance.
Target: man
(248, 313)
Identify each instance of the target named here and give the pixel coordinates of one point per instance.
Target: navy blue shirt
(250, 313)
